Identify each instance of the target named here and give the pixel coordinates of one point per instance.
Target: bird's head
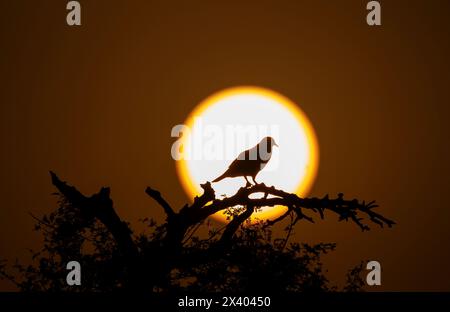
(269, 141)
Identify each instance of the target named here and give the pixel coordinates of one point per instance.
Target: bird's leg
(248, 182)
(254, 181)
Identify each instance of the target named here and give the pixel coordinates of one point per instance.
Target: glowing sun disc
(235, 119)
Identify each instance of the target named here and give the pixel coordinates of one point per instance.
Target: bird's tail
(223, 176)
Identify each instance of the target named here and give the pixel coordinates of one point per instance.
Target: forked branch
(207, 204)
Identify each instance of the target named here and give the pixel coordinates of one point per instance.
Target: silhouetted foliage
(354, 280)
(171, 258)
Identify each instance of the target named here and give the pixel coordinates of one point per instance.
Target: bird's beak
(275, 144)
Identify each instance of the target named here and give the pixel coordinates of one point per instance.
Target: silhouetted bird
(251, 161)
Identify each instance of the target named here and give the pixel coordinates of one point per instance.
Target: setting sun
(236, 119)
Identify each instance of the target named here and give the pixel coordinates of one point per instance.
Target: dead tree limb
(348, 210)
(235, 223)
(100, 206)
(156, 195)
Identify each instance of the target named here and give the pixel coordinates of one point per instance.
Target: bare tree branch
(99, 206)
(156, 195)
(234, 224)
(346, 209)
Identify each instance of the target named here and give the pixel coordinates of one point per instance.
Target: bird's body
(251, 161)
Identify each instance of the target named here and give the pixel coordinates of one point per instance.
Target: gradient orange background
(96, 105)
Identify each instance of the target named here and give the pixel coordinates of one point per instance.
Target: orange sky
(96, 105)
